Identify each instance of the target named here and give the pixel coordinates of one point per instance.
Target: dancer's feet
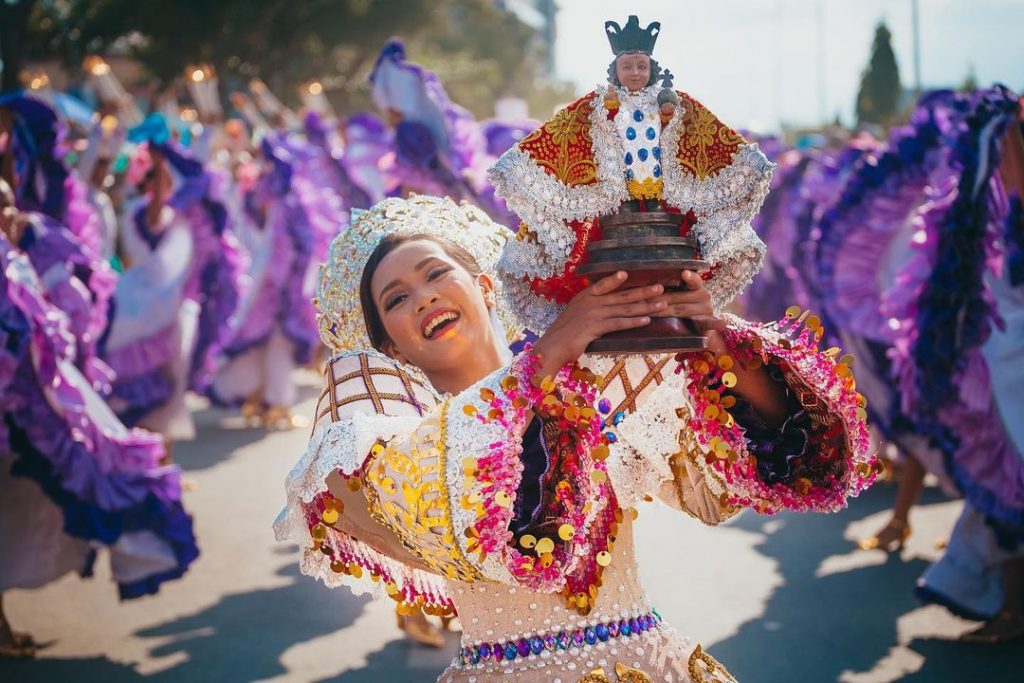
(252, 410)
(890, 538)
(418, 629)
(281, 418)
(15, 645)
(1006, 626)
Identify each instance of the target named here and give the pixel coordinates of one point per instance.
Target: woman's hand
(600, 308)
(694, 303)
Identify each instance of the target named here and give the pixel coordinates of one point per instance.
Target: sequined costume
(611, 146)
(438, 500)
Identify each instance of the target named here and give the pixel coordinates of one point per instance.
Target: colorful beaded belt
(563, 640)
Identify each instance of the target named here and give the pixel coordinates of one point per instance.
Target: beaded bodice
(493, 612)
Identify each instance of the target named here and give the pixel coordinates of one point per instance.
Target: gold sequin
(545, 545)
(330, 516)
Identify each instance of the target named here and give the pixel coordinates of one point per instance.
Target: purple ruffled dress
(72, 477)
(276, 323)
(175, 304)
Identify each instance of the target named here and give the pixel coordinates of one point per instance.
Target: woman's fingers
(608, 284)
(633, 309)
(692, 279)
(632, 295)
(613, 324)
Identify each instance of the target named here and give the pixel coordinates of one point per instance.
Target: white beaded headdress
(339, 313)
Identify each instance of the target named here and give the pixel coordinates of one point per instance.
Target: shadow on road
(242, 637)
(401, 661)
(816, 628)
(84, 670)
(951, 660)
(220, 432)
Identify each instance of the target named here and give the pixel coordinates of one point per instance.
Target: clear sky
(756, 62)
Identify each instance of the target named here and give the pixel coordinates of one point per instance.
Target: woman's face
(434, 312)
(633, 70)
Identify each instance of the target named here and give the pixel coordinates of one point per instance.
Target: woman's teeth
(437, 322)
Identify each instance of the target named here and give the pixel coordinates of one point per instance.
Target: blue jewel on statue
(474, 656)
(510, 651)
(638, 115)
(602, 633)
(605, 406)
(631, 133)
(589, 635)
(624, 628)
(651, 134)
(536, 645)
(619, 417)
(629, 158)
(657, 171)
(485, 651)
(564, 640)
(642, 154)
(611, 437)
(629, 174)
(550, 643)
(657, 153)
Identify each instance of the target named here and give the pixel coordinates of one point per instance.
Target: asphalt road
(776, 599)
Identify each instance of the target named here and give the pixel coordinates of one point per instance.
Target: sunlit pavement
(775, 599)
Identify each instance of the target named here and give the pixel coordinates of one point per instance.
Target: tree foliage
(481, 53)
(878, 99)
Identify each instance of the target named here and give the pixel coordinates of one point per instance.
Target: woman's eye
(393, 301)
(437, 272)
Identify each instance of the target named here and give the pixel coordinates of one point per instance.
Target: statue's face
(633, 70)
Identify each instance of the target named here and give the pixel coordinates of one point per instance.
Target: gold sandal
(22, 646)
(279, 418)
(894, 545)
(419, 630)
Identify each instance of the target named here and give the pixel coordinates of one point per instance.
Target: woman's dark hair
(613, 77)
(371, 316)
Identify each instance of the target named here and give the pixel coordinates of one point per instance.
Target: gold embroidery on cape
(623, 673)
(648, 188)
(408, 494)
(706, 145)
(563, 146)
(701, 664)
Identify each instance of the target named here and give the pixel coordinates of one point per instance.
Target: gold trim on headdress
(339, 313)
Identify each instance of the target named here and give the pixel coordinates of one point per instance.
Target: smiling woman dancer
(455, 478)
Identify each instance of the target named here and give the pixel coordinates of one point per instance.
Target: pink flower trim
(345, 555)
(581, 499)
(839, 463)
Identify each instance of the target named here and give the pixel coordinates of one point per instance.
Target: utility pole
(819, 12)
(916, 19)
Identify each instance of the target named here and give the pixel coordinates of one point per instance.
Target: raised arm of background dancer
(160, 191)
(1012, 166)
